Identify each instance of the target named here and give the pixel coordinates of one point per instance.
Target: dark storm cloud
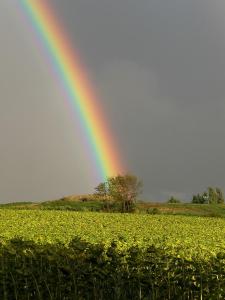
(159, 67)
(177, 39)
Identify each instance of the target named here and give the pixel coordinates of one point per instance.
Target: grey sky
(159, 67)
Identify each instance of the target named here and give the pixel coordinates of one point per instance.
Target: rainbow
(79, 93)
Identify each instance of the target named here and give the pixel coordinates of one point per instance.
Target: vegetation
(65, 249)
(211, 196)
(173, 200)
(141, 207)
(123, 189)
(192, 236)
(73, 255)
(90, 271)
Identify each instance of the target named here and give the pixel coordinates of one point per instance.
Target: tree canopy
(211, 196)
(121, 188)
(173, 200)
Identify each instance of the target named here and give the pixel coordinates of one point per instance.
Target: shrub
(153, 211)
(173, 200)
(86, 271)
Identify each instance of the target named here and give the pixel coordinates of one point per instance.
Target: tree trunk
(124, 206)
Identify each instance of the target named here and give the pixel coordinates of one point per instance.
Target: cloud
(159, 68)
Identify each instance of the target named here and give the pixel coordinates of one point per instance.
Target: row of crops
(71, 255)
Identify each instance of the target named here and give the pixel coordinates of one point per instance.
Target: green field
(189, 236)
(51, 254)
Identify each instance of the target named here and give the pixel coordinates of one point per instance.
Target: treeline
(125, 190)
(211, 196)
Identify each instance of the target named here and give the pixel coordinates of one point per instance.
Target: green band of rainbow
(80, 94)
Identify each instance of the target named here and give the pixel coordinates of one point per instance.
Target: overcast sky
(159, 67)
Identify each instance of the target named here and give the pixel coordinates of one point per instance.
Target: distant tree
(200, 199)
(194, 199)
(121, 188)
(102, 191)
(220, 197)
(215, 195)
(211, 196)
(205, 197)
(173, 200)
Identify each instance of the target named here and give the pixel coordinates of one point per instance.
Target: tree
(102, 192)
(121, 188)
(220, 197)
(211, 196)
(173, 200)
(215, 195)
(199, 199)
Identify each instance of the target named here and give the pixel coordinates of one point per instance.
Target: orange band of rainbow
(79, 92)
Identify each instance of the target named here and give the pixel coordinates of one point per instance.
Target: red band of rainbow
(80, 94)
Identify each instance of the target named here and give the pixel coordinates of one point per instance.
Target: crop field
(189, 236)
(117, 256)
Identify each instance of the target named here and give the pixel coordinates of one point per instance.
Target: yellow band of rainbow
(79, 92)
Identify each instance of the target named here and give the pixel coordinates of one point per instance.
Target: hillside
(90, 203)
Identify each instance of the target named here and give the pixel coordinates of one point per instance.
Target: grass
(86, 203)
(187, 209)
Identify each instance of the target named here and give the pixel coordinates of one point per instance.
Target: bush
(85, 271)
(173, 200)
(153, 211)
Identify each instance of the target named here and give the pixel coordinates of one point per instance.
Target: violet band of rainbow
(80, 94)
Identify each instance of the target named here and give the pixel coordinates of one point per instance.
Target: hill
(91, 203)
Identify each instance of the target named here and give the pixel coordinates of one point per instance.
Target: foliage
(173, 200)
(72, 255)
(211, 196)
(123, 189)
(73, 205)
(190, 236)
(153, 211)
(85, 271)
(215, 195)
(199, 199)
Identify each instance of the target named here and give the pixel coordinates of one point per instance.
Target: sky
(159, 69)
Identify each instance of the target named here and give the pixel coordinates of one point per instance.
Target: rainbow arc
(79, 93)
